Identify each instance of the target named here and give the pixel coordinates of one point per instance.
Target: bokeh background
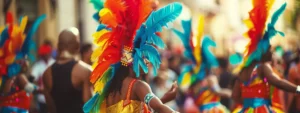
(223, 22)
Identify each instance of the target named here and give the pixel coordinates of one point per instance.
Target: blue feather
(208, 57)
(93, 105)
(235, 59)
(98, 4)
(185, 38)
(4, 36)
(161, 17)
(88, 106)
(158, 41)
(101, 26)
(145, 37)
(35, 25)
(152, 55)
(96, 16)
(139, 61)
(13, 70)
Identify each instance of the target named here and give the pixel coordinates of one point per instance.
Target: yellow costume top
(127, 105)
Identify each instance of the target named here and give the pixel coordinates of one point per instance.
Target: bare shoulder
(141, 85)
(47, 78)
(84, 66)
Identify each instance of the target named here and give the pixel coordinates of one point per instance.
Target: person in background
(16, 50)
(163, 82)
(86, 51)
(253, 88)
(66, 82)
(224, 79)
(39, 67)
(293, 102)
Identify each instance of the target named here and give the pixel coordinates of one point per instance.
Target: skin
(20, 80)
(69, 44)
(264, 70)
(293, 78)
(139, 90)
(86, 57)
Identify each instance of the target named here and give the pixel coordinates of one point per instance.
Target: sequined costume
(256, 95)
(208, 101)
(127, 105)
(15, 45)
(277, 103)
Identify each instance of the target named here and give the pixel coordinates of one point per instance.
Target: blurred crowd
(286, 63)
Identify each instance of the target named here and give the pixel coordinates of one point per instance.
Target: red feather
(9, 18)
(258, 16)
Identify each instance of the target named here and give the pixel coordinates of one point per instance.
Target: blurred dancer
(66, 82)
(37, 71)
(86, 51)
(16, 49)
(204, 85)
(129, 49)
(293, 103)
(256, 75)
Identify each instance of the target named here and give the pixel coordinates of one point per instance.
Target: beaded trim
(148, 98)
(126, 56)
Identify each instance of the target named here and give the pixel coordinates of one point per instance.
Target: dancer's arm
(214, 85)
(291, 78)
(171, 94)
(266, 70)
(47, 80)
(142, 89)
(236, 93)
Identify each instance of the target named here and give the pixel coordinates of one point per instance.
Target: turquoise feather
(26, 45)
(98, 4)
(4, 36)
(264, 44)
(146, 39)
(186, 38)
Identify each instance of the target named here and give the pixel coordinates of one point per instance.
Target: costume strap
(127, 100)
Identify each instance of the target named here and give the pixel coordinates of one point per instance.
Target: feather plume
(98, 4)
(145, 37)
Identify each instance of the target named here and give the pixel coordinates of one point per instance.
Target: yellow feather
(197, 48)
(1, 28)
(23, 23)
(186, 80)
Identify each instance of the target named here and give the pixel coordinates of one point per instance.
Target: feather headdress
(126, 35)
(198, 51)
(258, 33)
(15, 45)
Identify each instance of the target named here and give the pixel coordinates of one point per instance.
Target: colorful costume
(15, 46)
(127, 36)
(257, 93)
(198, 51)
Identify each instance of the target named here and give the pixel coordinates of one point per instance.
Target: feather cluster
(15, 45)
(196, 49)
(129, 25)
(258, 33)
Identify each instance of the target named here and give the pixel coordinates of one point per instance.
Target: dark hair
(84, 48)
(223, 62)
(117, 80)
(48, 42)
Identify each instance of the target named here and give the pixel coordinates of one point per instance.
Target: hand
(171, 94)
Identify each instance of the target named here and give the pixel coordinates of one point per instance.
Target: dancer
(252, 88)
(16, 48)
(205, 88)
(127, 45)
